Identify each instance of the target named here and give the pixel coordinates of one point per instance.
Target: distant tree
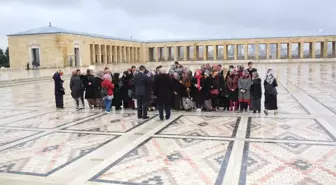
(3, 58)
(7, 56)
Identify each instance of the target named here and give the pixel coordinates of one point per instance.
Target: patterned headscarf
(270, 76)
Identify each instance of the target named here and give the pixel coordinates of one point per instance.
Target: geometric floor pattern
(40, 145)
(110, 123)
(200, 161)
(274, 163)
(288, 129)
(203, 126)
(45, 155)
(49, 120)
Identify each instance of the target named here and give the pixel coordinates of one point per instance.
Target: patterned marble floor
(40, 145)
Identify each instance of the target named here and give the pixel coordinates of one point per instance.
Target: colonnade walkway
(40, 145)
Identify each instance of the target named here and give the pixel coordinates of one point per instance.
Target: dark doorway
(77, 63)
(36, 57)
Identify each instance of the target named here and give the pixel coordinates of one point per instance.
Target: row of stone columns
(107, 54)
(165, 53)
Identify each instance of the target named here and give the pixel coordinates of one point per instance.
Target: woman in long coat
(196, 89)
(76, 87)
(256, 93)
(89, 88)
(97, 90)
(244, 94)
(223, 95)
(271, 92)
(232, 89)
(117, 100)
(127, 75)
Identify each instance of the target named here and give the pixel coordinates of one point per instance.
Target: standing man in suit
(142, 92)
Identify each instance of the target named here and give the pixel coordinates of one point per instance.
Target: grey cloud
(293, 15)
(44, 3)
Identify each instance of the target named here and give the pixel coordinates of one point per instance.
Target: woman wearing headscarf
(178, 88)
(271, 92)
(207, 91)
(97, 89)
(223, 95)
(196, 89)
(244, 86)
(127, 75)
(232, 89)
(107, 92)
(117, 98)
(256, 93)
(214, 90)
(89, 88)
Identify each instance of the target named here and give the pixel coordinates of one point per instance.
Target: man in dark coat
(163, 90)
(76, 87)
(82, 78)
(142, 92)
(88, 83)
(59, 90)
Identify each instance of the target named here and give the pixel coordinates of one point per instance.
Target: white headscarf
(270, 76)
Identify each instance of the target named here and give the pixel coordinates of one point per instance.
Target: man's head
(158, 69)
(250, 65)
(142, 68)
(177, 64)
(133, 69)
(60, 72)
(78, 72)
(106, 70)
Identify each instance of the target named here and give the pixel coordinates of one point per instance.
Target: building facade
(52, 47)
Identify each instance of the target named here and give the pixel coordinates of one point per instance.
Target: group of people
(207, 89)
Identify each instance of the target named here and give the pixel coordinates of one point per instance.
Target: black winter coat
(163, 89)
(256, 90)
(89, 87)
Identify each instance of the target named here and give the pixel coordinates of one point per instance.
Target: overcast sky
(172, 19)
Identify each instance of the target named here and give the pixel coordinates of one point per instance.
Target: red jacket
(107, 84)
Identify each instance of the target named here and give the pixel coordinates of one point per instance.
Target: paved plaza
(40, 145)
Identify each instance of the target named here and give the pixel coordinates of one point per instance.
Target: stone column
(125, 55)
(215, 51)
(245, 51)
(312, 49)
(93, 54)
(121, 54)
(135, 54)
(99, 55)
(185, 53)
(225, 52)
(256, 51)
(131, 54)
(188, 52)
(195, 52)
(165, 53)
(268, 50)
(111, 56)
(105, 54)
(175, 53)
(301, 46)
(205, 52)
(333, 46)
(114, 53)
(156, 51)
(235, 51)
(289, 50)
(278, 51)
(325, 49)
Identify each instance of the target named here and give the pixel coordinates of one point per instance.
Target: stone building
(51, 47)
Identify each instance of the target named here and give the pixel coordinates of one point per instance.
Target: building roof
(55, 30)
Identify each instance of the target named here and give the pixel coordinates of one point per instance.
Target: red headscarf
(198, 76)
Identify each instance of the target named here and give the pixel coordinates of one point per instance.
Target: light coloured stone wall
(56, 49)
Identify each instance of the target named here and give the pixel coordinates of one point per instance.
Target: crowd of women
(210, 88)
